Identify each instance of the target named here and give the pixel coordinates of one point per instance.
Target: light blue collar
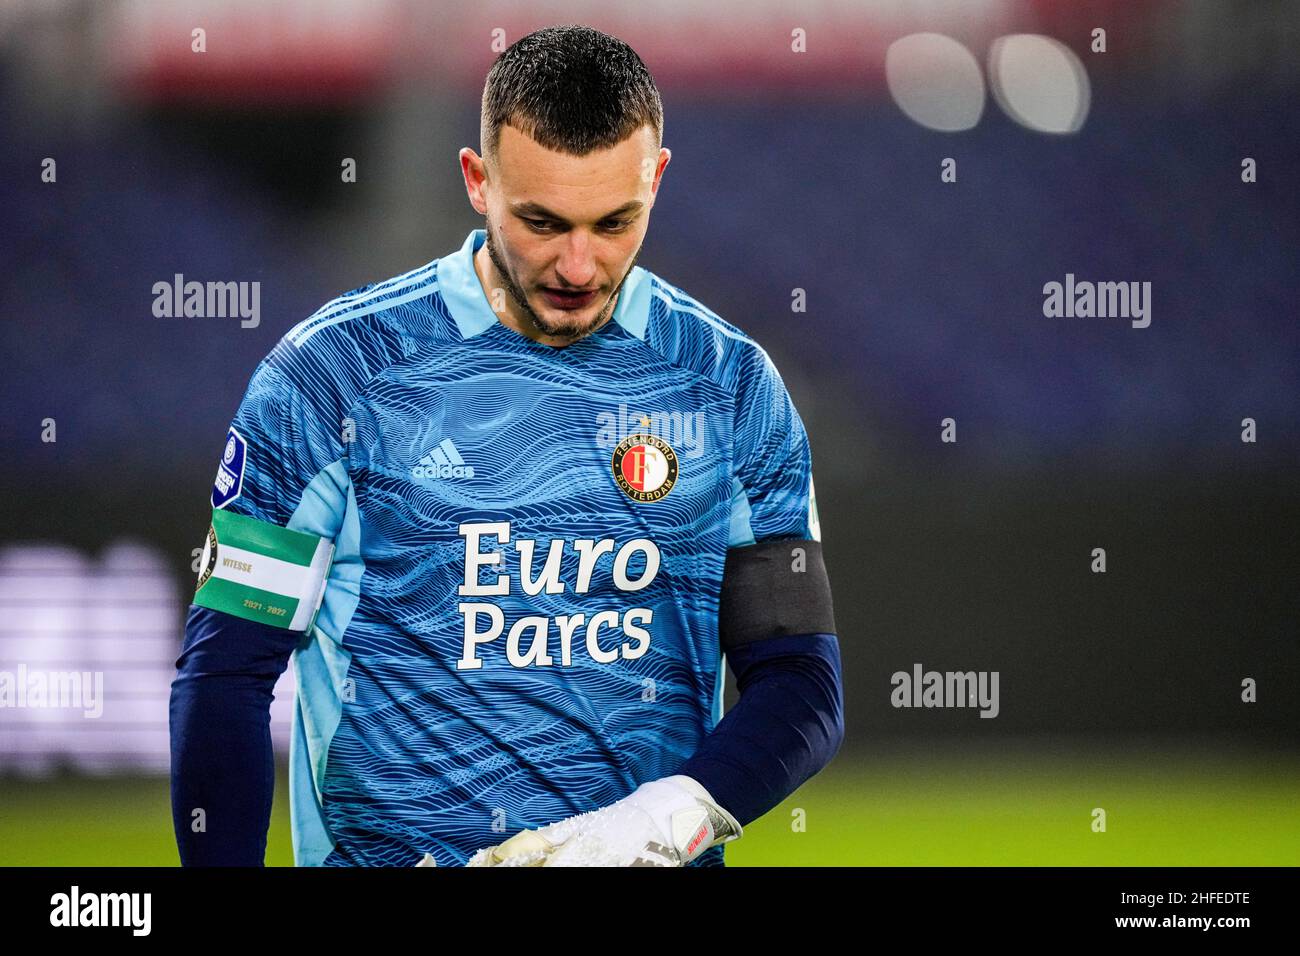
(461, 290)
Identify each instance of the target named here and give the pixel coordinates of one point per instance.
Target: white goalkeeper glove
(666, 822)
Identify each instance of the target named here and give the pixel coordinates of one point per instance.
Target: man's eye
(610, 225)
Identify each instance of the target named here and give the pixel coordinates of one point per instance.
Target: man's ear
(474, 170)
(664, 156)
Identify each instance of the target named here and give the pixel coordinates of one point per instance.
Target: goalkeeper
(511, 515)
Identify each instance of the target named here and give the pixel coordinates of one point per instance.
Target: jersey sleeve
(772, 486)
(275, 507)
(278, 443)
(776, 623)
(277, 502)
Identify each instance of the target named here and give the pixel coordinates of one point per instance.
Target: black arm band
(772, 589)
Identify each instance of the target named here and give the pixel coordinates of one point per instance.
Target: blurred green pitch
(1023, 809)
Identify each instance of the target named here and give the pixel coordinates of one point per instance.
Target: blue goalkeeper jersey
(520, 622)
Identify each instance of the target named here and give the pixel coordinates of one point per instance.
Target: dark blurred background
(815, 169)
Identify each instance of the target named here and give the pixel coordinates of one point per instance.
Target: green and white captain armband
(260, 571)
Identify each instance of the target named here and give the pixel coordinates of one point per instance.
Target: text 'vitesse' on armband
(260, 571)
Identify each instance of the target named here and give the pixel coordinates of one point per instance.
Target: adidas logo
(443, 461)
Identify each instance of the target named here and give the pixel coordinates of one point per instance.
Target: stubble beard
(536, 321)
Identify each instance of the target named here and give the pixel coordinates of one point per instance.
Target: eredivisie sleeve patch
(260, 571)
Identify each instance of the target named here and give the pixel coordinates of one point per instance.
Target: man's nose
(577, 267)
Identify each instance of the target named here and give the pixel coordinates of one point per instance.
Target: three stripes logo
(444, 461)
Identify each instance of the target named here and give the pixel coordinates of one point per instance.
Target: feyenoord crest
(645, 467)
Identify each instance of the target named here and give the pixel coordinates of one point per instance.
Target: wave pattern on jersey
(452, 749)
(432, 756)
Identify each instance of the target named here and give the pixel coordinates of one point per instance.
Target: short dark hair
(572, 89)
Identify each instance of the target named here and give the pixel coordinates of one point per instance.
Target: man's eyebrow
(537, 209)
